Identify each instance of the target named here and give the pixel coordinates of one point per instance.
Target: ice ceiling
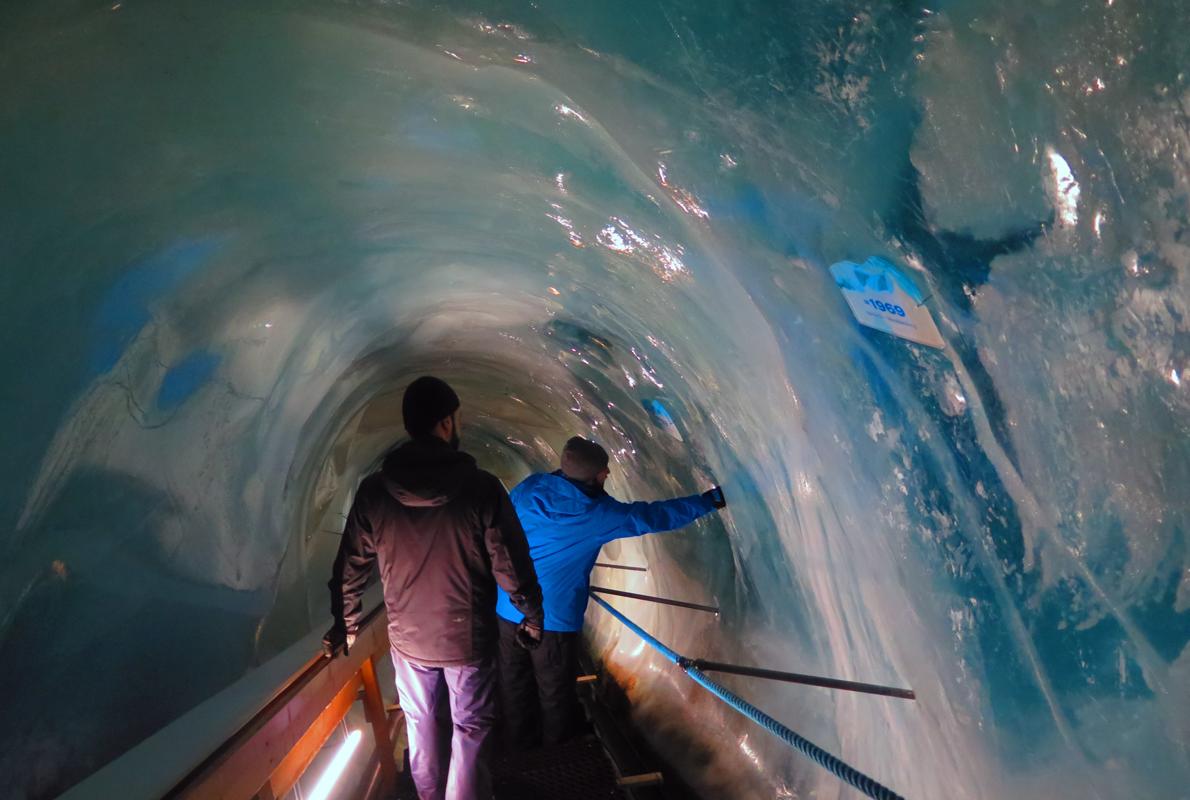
(231, 232)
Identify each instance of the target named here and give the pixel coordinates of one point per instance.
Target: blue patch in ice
(658, 410)
(125, 309)
(746, 203)
(185, 378)
(662, 418)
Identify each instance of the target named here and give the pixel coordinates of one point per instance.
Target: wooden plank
(644, 779)
(298, 759)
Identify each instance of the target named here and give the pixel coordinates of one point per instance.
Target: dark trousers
(537, 689)
(460, 773)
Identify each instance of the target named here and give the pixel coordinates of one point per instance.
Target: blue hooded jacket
(566, 527)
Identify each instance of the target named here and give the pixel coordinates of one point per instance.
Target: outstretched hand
(528, 635)
(715, 495)
(335, 639)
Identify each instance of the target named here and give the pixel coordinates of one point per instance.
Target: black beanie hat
(427, 401)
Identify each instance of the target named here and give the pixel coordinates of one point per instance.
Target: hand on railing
(337, 637)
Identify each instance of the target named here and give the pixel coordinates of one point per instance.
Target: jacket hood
(561, 500)
(427, 472)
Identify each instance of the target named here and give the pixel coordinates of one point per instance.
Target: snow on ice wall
(230, 233)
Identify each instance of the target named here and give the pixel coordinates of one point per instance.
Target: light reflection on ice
(684, 198)
(747, 750)
(610, 238)
(665, 260)
(566, 111)
(561, 220)
(1063, 188)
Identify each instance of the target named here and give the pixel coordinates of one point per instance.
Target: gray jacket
(444, 534)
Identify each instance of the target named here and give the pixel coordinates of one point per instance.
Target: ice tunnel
(230, 233)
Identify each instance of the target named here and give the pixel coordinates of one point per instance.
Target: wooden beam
(369, 787)
(374, 708)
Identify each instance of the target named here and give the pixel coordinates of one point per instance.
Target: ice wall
(230, 233)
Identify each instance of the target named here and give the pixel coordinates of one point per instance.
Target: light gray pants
(471, 691)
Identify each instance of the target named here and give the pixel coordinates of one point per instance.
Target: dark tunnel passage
(230, 234)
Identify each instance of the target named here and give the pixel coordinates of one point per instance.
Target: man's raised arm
(635, 519)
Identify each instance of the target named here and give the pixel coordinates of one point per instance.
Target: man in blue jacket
(567, 518)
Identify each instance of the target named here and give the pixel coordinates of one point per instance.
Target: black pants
(537, 687)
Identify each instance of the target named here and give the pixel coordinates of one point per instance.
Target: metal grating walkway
(577, 770)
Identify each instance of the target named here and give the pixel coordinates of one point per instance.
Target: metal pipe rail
(621, 566)
(270, 752)
(662, 600)
(833, 764)
(797, 677)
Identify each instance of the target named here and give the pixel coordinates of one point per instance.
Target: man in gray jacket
(444, 535)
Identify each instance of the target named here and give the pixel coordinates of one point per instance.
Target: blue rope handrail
(822, 758)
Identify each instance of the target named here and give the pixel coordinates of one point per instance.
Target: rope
(836, 766)
(639, 631)
(822, 758)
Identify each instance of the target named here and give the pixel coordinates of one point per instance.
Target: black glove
(528, 635)
(337, 637)
(716, 497)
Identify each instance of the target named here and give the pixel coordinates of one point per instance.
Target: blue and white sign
(883, 298)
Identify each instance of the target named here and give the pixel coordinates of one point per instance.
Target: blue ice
(232, 232)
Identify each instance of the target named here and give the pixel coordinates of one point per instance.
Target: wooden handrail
(269, 753)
